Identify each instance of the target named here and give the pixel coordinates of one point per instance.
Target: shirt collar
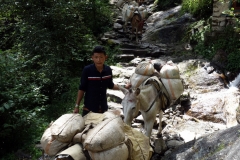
(104, 67)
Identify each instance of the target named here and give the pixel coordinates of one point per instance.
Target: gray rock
(218, 107)
(117, 26)
(222, 144)
(174, 143)
(159, 146)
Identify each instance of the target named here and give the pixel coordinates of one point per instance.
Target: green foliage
(44, 45)
(198, 8)
(111, 52)
(63, 103)
(226, 40)
(234, 56)
(166, 4)
(202, 48)
(234, 60)
(20, 103)
(96, 15)
(235, 17)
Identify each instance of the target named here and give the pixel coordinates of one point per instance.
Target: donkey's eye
(130, 100)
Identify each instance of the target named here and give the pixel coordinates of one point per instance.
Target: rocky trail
(203, 124)
(206, 109)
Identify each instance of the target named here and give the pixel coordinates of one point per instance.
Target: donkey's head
(130, 104)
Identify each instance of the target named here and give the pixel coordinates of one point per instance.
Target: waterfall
(236, 82)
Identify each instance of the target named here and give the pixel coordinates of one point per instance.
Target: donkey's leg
(149, 119)
(125, 26)
(149, 126)
(147, 122)
(132, 34)
(136, 34)
(160, 116)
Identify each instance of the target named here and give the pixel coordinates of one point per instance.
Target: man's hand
(76, 110)
(128, 85)
(117, 87)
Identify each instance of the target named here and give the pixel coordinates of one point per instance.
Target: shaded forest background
(44, 44)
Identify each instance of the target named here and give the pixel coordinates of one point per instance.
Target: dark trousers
(84, 112)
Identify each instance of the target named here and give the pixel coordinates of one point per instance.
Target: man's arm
(127, 86)
(78, 101)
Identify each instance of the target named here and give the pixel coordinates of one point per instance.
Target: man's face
(99, 59)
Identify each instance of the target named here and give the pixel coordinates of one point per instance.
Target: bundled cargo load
(66, 126)
(145, 68)
(61, 132)
(170, 77)
(74, 152)
(107, 134)
(93, 118)
(50, 145)
(80, 137)
(112, 113)
(138, 144)
(174, 87)
(119, 152)
(136, 80)
(170, 71)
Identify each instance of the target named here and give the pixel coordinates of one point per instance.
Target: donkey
(137, 24)
(127, 13)
(120, 3)
(138, 19)
(149, 100)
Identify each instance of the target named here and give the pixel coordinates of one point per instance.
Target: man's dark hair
(99, 49)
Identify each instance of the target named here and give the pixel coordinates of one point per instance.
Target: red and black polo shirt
(95, 85)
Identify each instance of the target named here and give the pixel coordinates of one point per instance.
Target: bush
(44, 46)
(21, 103)
(226, 41)
(198, 8)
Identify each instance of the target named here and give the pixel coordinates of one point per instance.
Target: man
(95, 80)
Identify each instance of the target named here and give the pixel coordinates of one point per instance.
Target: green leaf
(2, 109)
(6, 105)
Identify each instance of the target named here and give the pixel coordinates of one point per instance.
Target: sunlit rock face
(217, 107)
(222, 144)
(207, 105)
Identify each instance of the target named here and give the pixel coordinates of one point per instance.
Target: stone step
(141, 53)
(136, 52)
(124, 57)
(129, 45)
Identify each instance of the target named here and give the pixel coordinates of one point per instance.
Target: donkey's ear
(137, 92)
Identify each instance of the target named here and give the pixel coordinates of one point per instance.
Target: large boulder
(167, 27)
(223, 144)
(217, 107)
(199, 76)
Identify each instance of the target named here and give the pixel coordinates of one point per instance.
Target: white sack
(66, 126)
(138, 144)
(145, 68)
(50, 145)
(93, 118)
(174, 87)
(136, 80)
(119, 152)
(75, 151)
(170, 71)
(107, 134)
